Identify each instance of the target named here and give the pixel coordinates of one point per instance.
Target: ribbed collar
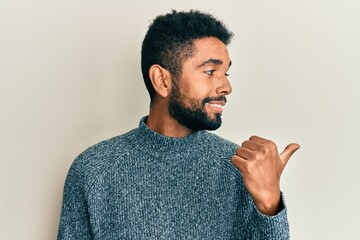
(160, 143)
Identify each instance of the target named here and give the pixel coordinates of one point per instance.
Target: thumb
(288, 152)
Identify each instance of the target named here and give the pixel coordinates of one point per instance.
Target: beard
(191, 112)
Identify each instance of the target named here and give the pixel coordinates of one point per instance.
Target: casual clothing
(143, 185)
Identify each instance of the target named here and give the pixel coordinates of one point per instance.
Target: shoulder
(214, 140)
(219, 152)
(96, 159)
(217, 147)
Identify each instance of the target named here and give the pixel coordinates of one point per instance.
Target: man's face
(197, 98)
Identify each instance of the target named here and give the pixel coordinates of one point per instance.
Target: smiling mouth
(216, 106)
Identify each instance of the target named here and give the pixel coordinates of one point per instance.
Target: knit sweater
(143, 185)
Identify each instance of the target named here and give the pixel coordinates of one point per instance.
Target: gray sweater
(143, 185)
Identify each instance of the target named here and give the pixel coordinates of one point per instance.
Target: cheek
(198, 88)
(192, 102)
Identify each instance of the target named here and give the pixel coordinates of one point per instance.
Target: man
(170, 178)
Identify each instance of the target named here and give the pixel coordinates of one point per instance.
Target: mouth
(216, 106)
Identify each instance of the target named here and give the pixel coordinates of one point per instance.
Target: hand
(261, 166)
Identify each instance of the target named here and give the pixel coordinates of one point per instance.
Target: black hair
(170, 38)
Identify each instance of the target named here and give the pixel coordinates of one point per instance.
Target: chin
(213, 123)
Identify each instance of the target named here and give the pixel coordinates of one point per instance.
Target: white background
(70, 77)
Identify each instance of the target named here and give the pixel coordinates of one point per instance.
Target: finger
(263, 142)
(239, 162)
(259, 139)
(244, 153)
(254, 146)
(288, 152)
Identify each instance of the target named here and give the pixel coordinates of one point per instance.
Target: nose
(224, 87)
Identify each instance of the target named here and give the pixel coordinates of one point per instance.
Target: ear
(160, 79)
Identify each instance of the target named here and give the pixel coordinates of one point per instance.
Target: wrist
(269, 205)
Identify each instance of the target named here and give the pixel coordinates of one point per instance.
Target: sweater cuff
(273, 227)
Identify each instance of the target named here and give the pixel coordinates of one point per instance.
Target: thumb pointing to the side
(288, 152)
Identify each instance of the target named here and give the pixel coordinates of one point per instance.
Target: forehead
(211, 47)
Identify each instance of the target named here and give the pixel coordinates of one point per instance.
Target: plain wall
(70, 77)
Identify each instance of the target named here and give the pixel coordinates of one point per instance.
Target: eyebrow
(212, 61)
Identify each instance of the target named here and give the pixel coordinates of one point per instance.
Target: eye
(226, 74)
(210, 72)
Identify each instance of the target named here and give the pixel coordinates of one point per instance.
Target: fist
(261, 167)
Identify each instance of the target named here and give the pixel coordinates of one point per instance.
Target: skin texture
(205, 75)
(201, 78)
(261, 166)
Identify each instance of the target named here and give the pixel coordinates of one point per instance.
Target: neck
(160, 121)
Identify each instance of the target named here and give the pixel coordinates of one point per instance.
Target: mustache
(210, 99)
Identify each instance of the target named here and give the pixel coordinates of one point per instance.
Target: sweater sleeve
(74, 221)
(270, 227)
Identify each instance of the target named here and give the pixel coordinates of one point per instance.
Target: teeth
(216, 105)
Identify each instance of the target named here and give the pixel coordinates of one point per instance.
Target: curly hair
(169, 41)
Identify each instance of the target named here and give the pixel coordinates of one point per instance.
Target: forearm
(270, 227)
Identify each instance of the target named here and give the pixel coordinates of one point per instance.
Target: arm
(74, 221)
(269, 227)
